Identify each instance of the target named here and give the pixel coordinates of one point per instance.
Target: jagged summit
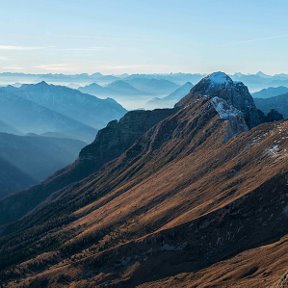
(219, 83)
(235, 95)
(231, 100)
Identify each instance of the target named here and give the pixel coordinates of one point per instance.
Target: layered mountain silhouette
(255, 81)
(270, 92)
(152, 86)
(43, 108)
(170, 100)
(133, 92)
(261, 80)
(13, 179)
(116, 88)
(123, 87)
(27, 160)
(279, 103)
(95, 89)
(191, 198)
(29, 117)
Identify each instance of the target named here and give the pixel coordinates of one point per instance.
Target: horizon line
(140, 73)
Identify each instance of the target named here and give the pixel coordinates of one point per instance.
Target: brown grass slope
(179, 201)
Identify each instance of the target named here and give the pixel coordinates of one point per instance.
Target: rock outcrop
(112, 140)
(235, 94)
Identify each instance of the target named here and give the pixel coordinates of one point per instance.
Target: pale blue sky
(116, 36)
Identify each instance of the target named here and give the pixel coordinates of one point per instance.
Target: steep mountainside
(177, 208)
(71, 103)
(279, 103)
(35, 157)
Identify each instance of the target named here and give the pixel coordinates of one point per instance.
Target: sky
(144, 36)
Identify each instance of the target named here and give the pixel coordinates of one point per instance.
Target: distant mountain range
(272, 98)
(260, 80)
(132, 92)
(255, 81)
(123, 87)
(170, 100)
(140, 91)
(101, 79)
(270, 92)
(41, 108)
(39, 125)
(118, 87)
(27, 160)
(279, 103)
(152, 86)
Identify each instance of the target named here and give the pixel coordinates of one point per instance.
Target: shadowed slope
(30, 117)
(32, 157)
(84, 108)
(8, 174)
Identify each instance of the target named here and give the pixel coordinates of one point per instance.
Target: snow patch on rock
(225, 110)
(234, 116)
(274, 151)
(219, 78)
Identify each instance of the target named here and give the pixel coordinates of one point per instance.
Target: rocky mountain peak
(214, 83)
(234, 96)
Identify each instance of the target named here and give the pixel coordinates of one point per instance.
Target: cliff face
(111, 141)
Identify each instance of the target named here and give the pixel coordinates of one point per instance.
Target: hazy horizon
(144, 73)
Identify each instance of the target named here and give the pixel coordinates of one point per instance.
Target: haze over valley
(140, 147)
